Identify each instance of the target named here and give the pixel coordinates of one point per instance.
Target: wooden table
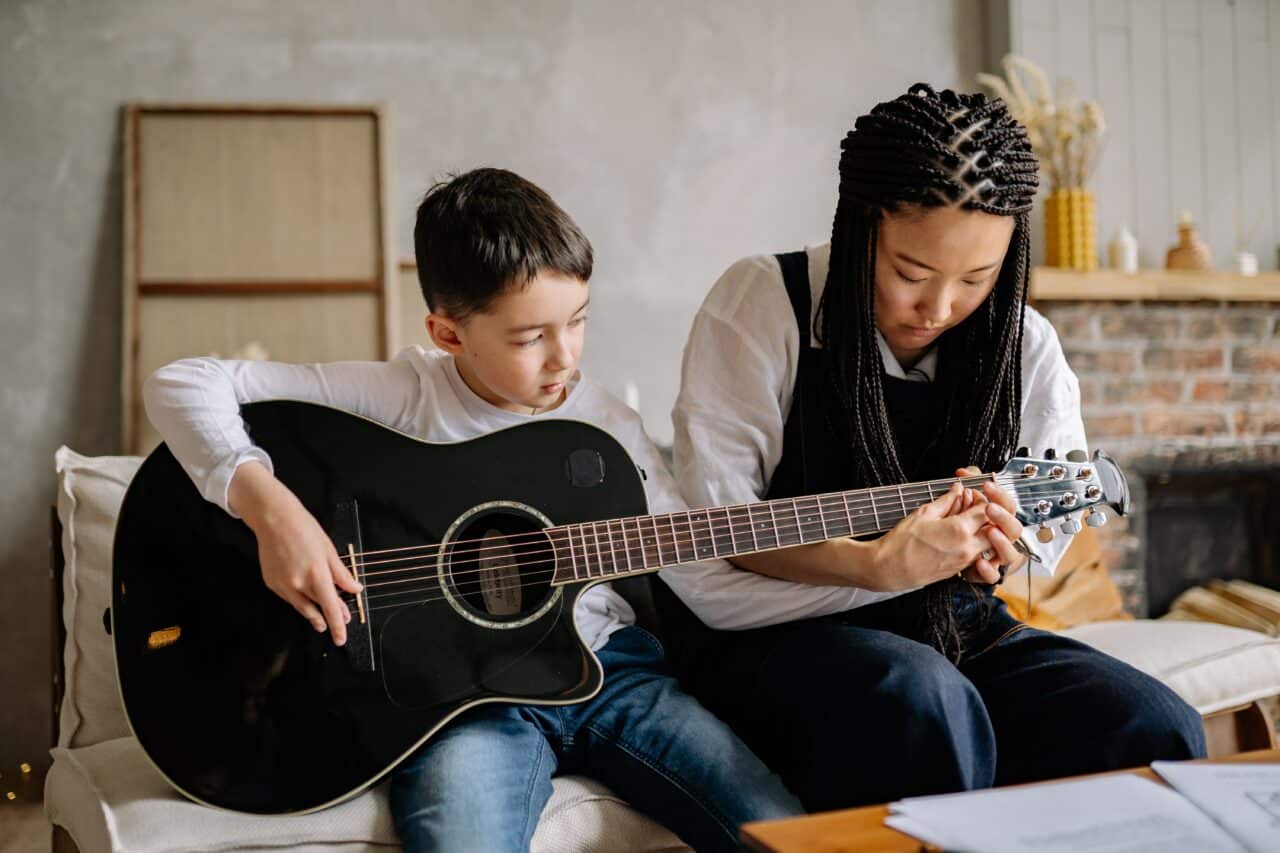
(863, 829)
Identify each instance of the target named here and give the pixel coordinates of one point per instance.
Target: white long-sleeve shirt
(739, 374)
(195, 406)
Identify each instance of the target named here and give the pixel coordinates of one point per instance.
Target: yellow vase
(1069, 230)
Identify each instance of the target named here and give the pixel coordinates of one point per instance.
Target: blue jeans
(857, 708)
(482, 782)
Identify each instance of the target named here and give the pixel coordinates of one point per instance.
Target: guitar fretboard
(623, 546)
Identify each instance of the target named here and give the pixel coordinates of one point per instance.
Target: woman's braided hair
(929, 149)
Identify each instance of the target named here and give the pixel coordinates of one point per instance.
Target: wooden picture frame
(253, 227)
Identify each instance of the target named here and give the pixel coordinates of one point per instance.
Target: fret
(773, 518)
(657, 540)
(708, 548)
(644, 558)
(871, 493)
(770, 526)
(902, 500)
(655, 555)
(595, 534)
(573, 557)
(613, 555)
(831, 530)
(799, 526)
(586, 552)
(808, 533)
(728, 530)
(675, 537)
(693, 534)
(844, 497)
(929, 486)
(711, 534)
(822, 516)
(742, 523)
(622, 527)
(755, 542)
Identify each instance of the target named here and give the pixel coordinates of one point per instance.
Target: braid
(930, 149)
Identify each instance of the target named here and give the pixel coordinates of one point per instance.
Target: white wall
(681, 135)
(1191, 91)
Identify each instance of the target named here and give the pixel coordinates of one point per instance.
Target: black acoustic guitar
(472, 556)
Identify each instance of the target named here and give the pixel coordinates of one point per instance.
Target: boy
(505, 275)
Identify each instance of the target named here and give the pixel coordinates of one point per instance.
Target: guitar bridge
(346, 536)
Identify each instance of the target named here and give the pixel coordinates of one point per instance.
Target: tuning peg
(1077, 456)
(1022, 451)
(1044, 535)
(1071, 526)
(1096, 518)
(1050, 453)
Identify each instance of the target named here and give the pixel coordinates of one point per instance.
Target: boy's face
(519, 353)
(934, 267)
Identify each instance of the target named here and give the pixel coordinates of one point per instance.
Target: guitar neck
(647, 543)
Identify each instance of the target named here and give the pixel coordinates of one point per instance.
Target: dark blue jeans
(482, 782)
(857, 708)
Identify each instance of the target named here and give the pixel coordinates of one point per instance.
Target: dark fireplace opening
(1205, 519)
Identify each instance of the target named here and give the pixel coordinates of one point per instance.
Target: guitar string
(913, 490)
(545, 576)
(674, 529)
(863, 506)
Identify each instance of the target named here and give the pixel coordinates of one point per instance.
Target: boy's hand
(1002, 530)
(299, 562)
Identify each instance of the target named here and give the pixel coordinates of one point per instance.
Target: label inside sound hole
(499, 576)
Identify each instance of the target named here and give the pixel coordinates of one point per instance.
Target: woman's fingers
(1003, 519)
(997, 495)
(1002, 550)
(982, 572)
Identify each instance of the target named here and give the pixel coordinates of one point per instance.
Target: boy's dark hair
(484, 231)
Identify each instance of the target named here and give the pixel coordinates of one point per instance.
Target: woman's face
(934, 267)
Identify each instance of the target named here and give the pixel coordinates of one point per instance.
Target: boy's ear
(444, 332)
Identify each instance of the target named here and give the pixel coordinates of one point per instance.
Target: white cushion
(110, 798)
(90, 490)
(1213, 667)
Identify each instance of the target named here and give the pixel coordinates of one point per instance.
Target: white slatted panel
(1191, 91)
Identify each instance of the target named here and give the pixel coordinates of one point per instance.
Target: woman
(903, 351)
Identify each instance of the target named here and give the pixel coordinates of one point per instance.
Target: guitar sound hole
(499, 566)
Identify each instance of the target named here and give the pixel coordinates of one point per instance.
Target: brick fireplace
(1186, 396)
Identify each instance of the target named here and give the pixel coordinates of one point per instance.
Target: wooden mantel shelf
(1056, 284)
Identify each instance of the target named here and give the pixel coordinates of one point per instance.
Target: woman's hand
(936, 541)
(299, 562)
(1001, 531)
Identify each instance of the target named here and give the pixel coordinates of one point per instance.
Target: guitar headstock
(1048, 488)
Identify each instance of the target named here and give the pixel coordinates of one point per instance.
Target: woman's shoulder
(742, 286)
(1039, 337)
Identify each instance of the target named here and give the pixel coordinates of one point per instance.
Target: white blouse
(738, 377)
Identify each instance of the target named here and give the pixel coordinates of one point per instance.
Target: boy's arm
(195, 405)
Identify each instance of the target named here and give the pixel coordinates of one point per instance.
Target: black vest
(817, 455)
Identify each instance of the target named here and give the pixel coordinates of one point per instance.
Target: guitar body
(244, 706)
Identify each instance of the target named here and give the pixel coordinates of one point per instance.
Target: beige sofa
(102, 795)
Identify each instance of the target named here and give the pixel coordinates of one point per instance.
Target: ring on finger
(987, 554)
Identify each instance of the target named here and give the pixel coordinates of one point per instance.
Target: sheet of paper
(1115, 814)
(1243, 798)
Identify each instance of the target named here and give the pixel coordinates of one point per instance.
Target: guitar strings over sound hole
(498, 566)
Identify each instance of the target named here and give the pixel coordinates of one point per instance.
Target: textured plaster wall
(680, 135)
